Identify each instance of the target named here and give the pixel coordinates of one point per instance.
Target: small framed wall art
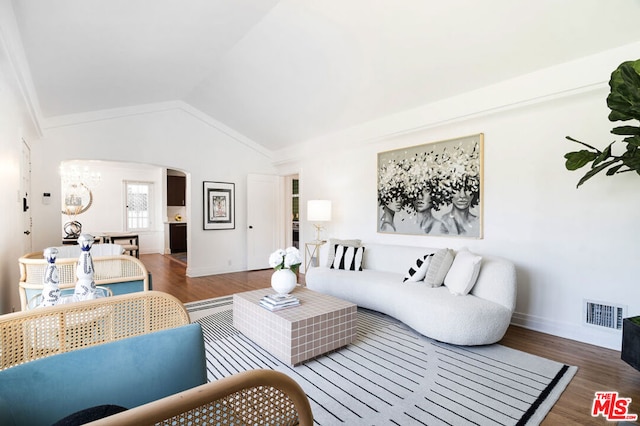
(432, 189)
(219, 205)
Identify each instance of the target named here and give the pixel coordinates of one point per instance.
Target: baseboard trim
(593, 335)
(202, 272)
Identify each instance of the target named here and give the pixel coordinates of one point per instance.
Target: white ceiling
(286, 71)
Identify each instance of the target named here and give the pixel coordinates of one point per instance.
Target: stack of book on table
(275, 302)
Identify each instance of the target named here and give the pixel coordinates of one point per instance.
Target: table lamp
(318, 211)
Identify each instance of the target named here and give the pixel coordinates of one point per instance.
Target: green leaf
(612, 171)
(631, 158)
(603, 155)
(624, 97)
(630, 74)
(626, 130)
(578, 159)
(633, 141)
(594, 171)
(615, 115)
(582, 143)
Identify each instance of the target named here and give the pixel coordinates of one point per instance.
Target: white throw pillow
(348, 258)
(334, 242)
(463, 273)
(438, 268)
(418, 271)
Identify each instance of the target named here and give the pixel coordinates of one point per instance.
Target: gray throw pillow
(438, 268)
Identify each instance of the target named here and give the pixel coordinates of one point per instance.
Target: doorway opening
(295, 212)
(176, 214)
(109, 201)
(25, 194)
(292, 211)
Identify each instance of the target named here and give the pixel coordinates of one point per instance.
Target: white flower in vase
(285, 259)
(286, 263)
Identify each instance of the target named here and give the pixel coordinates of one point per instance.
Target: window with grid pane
(139, 202)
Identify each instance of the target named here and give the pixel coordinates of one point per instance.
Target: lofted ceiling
(281, 72)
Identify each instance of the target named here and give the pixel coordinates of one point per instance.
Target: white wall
(107, 212)
(172, 136)
(568, 244)
(16, 123)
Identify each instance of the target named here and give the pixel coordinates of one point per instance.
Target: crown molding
(153, 108)
(561, 81)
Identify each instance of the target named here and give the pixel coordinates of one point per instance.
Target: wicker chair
(253, 397)
(38, 333)
(110, 271)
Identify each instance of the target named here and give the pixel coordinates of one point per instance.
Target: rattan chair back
(46, 331)
(107, 270)
(254, 397)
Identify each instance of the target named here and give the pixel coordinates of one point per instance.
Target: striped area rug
(392, 375)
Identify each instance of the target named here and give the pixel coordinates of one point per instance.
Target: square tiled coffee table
(320, 324)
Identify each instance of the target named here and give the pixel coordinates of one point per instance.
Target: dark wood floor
(598, 369)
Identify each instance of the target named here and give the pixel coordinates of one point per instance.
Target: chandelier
(77, 183)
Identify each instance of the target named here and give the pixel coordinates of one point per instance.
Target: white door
(25, 196)
(265, 218)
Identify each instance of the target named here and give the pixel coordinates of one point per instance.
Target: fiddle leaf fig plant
(624, 103)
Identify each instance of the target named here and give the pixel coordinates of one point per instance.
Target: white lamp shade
(319, 210)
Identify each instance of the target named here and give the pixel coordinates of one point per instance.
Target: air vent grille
(604, 314)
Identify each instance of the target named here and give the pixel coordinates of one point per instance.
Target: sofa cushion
(127, 372)
(438, 268)
(348, 258)
(368, 289)
(334, 242)
(418, 270)
(460, 320)
(463, 272)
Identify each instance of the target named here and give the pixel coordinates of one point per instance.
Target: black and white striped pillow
(419, 270)
(348, 258)
(333, 243)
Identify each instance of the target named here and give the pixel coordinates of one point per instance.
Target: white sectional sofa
(477, 318)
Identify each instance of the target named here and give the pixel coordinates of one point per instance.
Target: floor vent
(604, 315)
